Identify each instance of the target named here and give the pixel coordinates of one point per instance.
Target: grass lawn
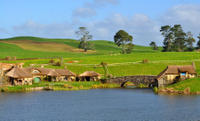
(193, 84)
(106, 51)
(59, 86)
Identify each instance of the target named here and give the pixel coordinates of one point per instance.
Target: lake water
(95, 105)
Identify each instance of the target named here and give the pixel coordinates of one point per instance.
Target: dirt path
(136, 62)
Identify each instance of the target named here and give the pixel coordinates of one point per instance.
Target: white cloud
(140, 26)
(3, 31)
(186, 15)
(84, 12)
(89, 8)
(143, 28)
(45, 30)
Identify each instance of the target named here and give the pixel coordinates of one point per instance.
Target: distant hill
(57, 47)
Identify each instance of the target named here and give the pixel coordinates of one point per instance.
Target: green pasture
(106, 51)
(193, 84)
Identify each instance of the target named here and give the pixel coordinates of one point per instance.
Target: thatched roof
(90, 74)
(18, 73)
(53, 72)
(174, 69)
(65, 72)
(6, 66)
(44, 71)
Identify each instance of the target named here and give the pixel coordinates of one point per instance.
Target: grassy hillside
(193, 84)
(107, 51)
(37, 47)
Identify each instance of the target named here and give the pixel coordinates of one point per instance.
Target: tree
(153, 45)
(179, 40)
(124, 40)
(168, 36)
(85, 37)
(105, 68)
(175, 39)
(189, 41)
(198, 43)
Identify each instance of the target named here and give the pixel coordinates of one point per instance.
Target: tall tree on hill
(124, 40)
(153, 45)
(179, 40)
(85, 37)
(175, 39)
(189, 41)
(198, 43)
(168, 38)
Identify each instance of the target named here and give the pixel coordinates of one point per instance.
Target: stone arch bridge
(147, 80)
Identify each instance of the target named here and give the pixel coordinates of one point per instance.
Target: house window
(35, 72)
(183, 73)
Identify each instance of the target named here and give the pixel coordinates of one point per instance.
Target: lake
(95, 105)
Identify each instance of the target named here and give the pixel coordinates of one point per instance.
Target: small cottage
(4, 67)
(174, 73)
(89, 76)
(66, 75)
(36, 73)
(53, 75)
(19, 76)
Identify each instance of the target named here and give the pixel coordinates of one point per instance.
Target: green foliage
(61, 61)
(155, 89)
(124, 40)
(175, 39)
(84, 35)
(58, 86)
(193, 84)
(142, 85)
(105, 68)
(86, 45)
(198, 43)
(189, 41)
(153, 45)
(106, 51)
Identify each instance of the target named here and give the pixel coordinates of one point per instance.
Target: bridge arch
(148, 80)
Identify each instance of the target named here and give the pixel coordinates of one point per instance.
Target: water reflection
(108, 104)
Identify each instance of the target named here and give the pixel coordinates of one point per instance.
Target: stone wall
(142, 79)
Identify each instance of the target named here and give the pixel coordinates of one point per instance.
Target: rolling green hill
(106, 51)
(25, 47)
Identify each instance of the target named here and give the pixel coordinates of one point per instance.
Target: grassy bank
(66, 86)
(193, 84)
(186, 87)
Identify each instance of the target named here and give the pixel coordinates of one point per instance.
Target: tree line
(175, 39)
(122, 39)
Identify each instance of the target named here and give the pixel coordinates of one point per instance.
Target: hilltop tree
(189, 41)
(85, 37)
(175, 39)
(198, 43)
(168, 36)
(153, 45)
(179, 40)
(124, 40)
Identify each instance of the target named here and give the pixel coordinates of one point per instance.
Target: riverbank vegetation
(55, 86)
(142, 61)
(186, 87)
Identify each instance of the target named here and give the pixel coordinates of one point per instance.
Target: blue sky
(60, 18)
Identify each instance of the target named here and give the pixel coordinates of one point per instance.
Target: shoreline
(58, 86)
(172, 91)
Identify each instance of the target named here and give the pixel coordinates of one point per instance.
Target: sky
(61, 18)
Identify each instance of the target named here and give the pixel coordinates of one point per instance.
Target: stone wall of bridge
(142, 79)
